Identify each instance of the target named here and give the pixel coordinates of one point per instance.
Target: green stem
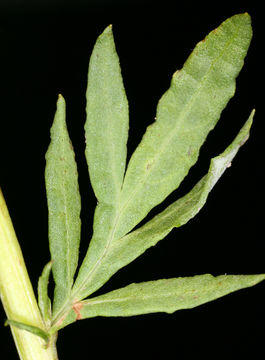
(17, 294)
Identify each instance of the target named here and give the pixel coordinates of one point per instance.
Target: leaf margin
(134, 244)
(44, 301)
(81, 291)
(60, 169)
(144, 294)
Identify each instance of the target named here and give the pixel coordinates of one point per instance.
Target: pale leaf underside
(165, 295)
(64, 207)
(185, 115)
(128, 248)
(106, 131)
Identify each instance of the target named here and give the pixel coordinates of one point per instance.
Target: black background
(45, 49)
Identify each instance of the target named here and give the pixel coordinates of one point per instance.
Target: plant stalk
(17, 294)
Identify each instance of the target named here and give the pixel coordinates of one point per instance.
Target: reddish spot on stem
(77, 308)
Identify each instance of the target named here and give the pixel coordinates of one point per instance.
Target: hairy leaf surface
(106, 127)
(129, 247)
(63, 205)
(106, 132)
(166, 295)
(186, 113)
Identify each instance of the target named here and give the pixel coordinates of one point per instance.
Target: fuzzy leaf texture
(106, 132)
(64, 207)
(186, 113)
(166, 295)
(131, 246)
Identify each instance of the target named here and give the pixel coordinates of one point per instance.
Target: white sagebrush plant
(186, 113)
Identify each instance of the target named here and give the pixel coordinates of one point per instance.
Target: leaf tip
(60, 98)
(108, 30)
(245, 16)
(258, 278)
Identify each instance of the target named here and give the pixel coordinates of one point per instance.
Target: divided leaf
(64, 207)
(129, 247)
(106, 127)
(186, 113)
(185, 208)
(106, 131)
(166, 295)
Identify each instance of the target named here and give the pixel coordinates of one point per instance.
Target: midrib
(67, 231)
(122, 207)
(178, 125)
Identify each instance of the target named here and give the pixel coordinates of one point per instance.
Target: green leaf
(131, 246)
(32, 329)
(106, 131)
(166, 295)
(63, 205)
(43, 298)
(106, 127)
(186, 113)
(182, 210)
